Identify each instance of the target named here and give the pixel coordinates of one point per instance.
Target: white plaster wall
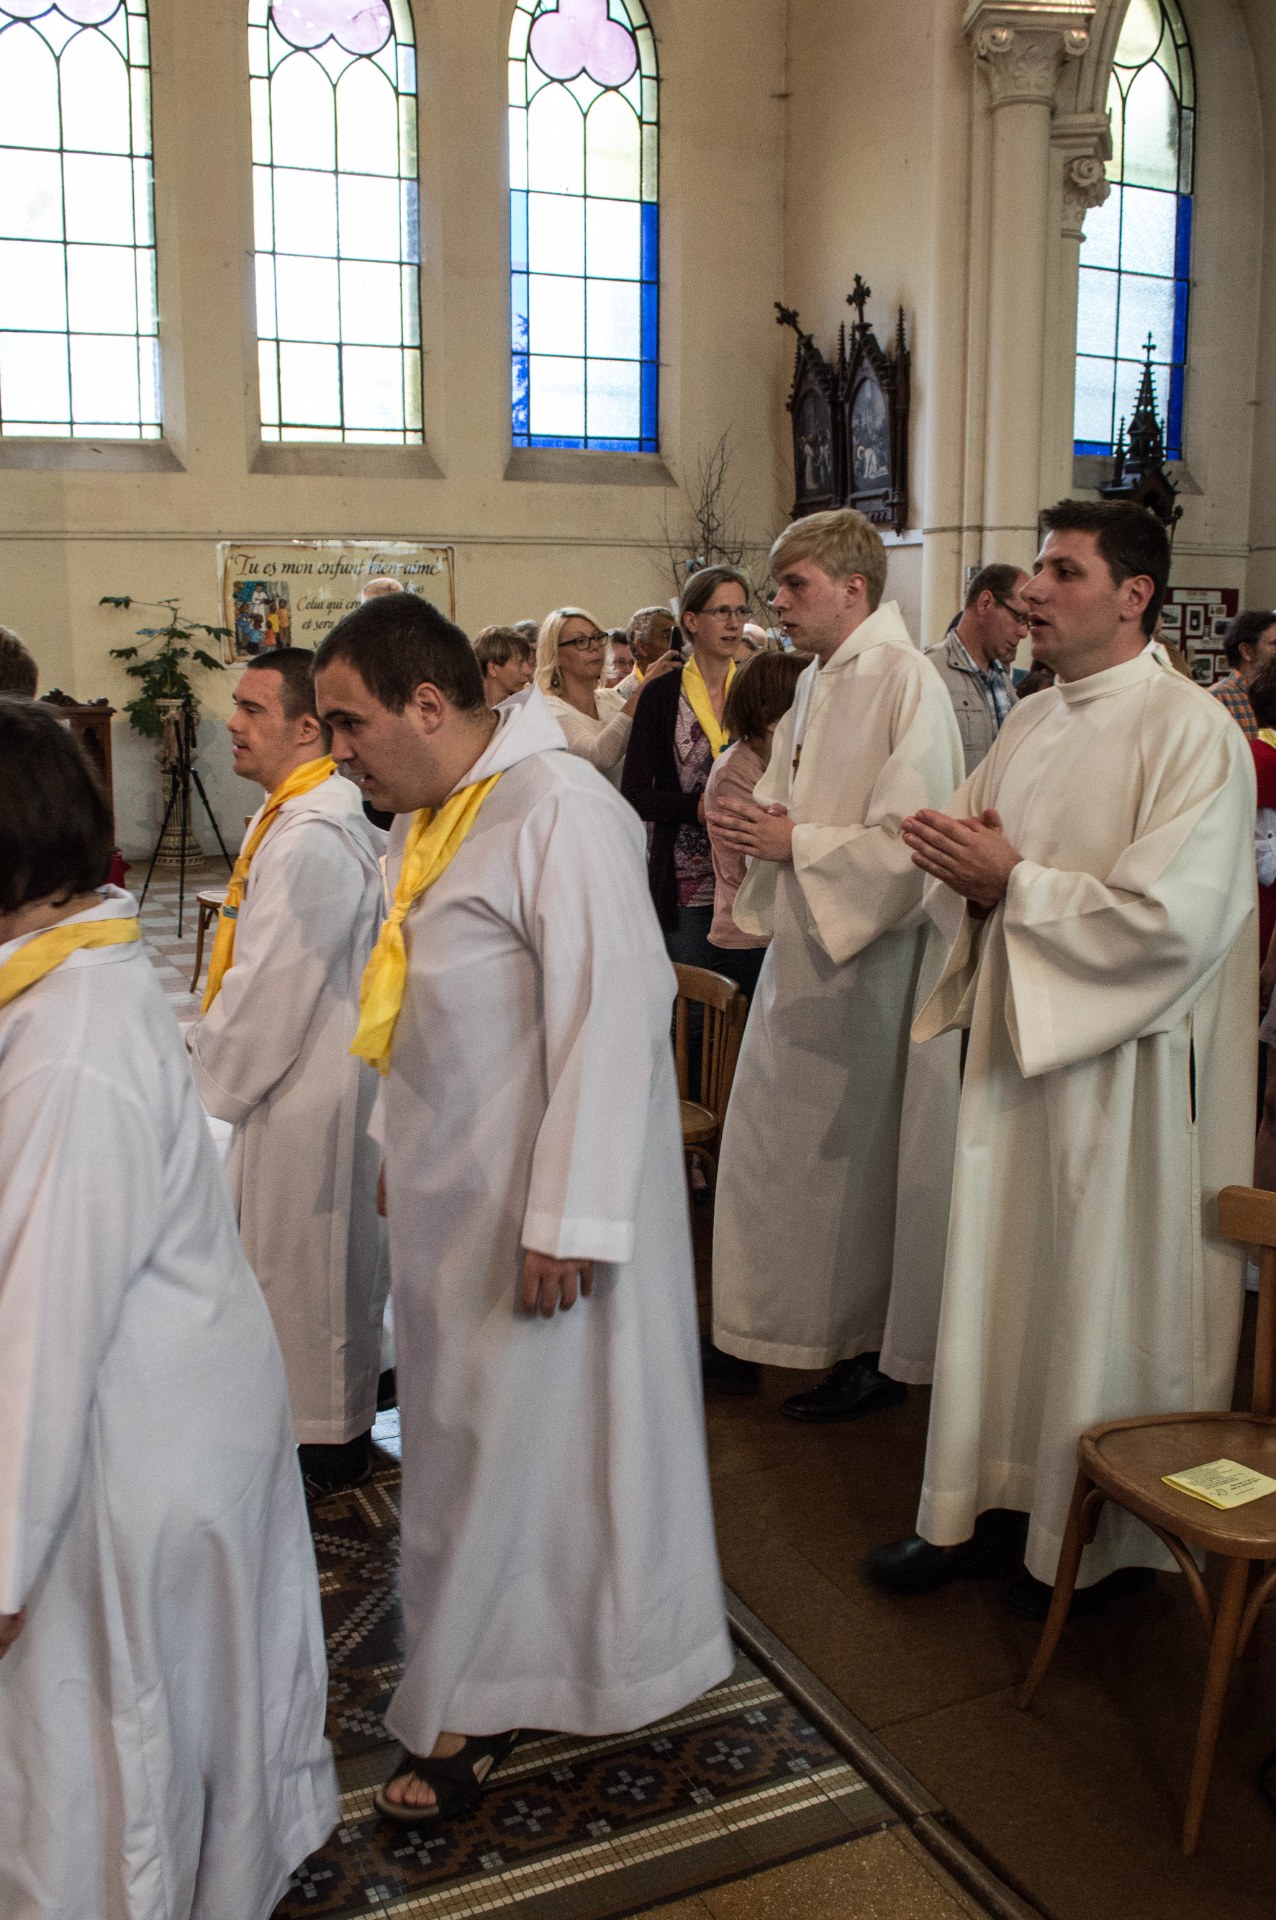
(523, 545)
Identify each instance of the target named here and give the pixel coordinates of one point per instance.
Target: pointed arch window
(1136, 255)
(336, 218)
(584, 225)
(79, 333)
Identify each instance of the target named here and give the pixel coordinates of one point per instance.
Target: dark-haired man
(558, 1562)
(1250, 642)
(272, 1055)
(973, 659)
(1095, 880)
(19, 675)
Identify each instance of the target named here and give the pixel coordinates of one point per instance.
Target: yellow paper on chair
(1222, 1483)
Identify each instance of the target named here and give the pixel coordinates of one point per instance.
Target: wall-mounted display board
(288, 594)
(1196, 618)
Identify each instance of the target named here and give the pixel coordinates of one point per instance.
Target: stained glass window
(79, 350)
(337, 220)
(1135, 259)
(584, 224)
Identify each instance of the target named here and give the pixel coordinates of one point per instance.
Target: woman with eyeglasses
(677, 735)
(571, 657)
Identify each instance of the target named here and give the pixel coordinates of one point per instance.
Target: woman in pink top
(761, 694)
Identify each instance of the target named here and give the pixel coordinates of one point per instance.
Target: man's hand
(549, 1283)
(973, 857)
(761, 833)
(11, 1625)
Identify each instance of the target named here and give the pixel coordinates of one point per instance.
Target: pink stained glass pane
(88, 13)
(580, 37)
(360, 26)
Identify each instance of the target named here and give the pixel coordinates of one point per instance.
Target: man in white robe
(271, 1054)
(1095, 881)
(832, 1194)
(559, 1567)
(163, 1680)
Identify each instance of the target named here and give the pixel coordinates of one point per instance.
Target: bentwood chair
(1124, 1461)
(725, 1010)
(209, 901)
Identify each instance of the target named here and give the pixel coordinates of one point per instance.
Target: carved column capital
(1083, 142)
(1022, 45)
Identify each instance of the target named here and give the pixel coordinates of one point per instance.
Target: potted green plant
(161, 670)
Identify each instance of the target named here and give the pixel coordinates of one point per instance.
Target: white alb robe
(838, 1136)
(272, 1055)
(559, 1566)
(1108, 1095)
(161, 1714)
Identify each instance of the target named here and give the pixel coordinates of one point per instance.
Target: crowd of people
(1001, 953)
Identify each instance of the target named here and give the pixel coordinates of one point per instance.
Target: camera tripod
(181, 778)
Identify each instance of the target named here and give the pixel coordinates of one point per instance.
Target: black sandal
(457, 1781)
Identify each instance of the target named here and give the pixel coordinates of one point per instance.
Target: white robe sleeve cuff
(567, 1237)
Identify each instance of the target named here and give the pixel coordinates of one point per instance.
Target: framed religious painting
(812, 405)
(874, 392)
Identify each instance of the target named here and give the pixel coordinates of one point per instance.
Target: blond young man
(805, 1239)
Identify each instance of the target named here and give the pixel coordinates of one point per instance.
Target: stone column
(1020, 47)
(1082, 143)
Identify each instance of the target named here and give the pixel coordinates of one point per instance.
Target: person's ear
(429, 706)
(1135, 595)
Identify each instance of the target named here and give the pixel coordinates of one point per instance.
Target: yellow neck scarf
(698, 700)
(434, 838)
(1268, 736)
(49, 949)
(302, 779)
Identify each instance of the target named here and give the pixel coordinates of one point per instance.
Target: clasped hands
(760, 833)
(973, 857)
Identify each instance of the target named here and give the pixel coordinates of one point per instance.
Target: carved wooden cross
(859, 299)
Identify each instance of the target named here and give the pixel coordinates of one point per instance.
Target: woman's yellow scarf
(302, 779)
(698, 700)
(1268, 736)
(49, 949)
(433, 841)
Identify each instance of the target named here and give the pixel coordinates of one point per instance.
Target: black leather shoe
(724, 1373)
(336, 1469)
(387, 1385)
(853, 1388)
(1031, 1598)
(993, 1552)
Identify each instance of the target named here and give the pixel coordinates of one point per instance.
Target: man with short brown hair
(18, 672)
(818, 1210)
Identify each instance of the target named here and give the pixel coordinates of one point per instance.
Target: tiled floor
(172, 954)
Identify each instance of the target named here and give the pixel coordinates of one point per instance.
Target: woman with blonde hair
(571, 659)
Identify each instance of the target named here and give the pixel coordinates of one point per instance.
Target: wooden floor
(1077, 1803)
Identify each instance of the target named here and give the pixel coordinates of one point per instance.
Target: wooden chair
(1124, 1461)
(209, 900)
(725, 1010)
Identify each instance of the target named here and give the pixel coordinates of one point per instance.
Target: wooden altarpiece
(850, 420)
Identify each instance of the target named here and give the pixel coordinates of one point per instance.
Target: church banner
(290, 593)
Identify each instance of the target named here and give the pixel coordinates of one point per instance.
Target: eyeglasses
(585, 643)
(725, 613)
(1020, 615)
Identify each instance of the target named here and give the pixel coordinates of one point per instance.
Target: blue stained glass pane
(1179, 349)
(518, 312)
(1101, 449)
(650, 421)
(1174, 423)
(518, 231)
(520, 396)
(650, 319)
(1183, 238)
(651, 240)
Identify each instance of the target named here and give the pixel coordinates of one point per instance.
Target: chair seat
(698, 1124)
(211, 896)
(1129, 1458)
